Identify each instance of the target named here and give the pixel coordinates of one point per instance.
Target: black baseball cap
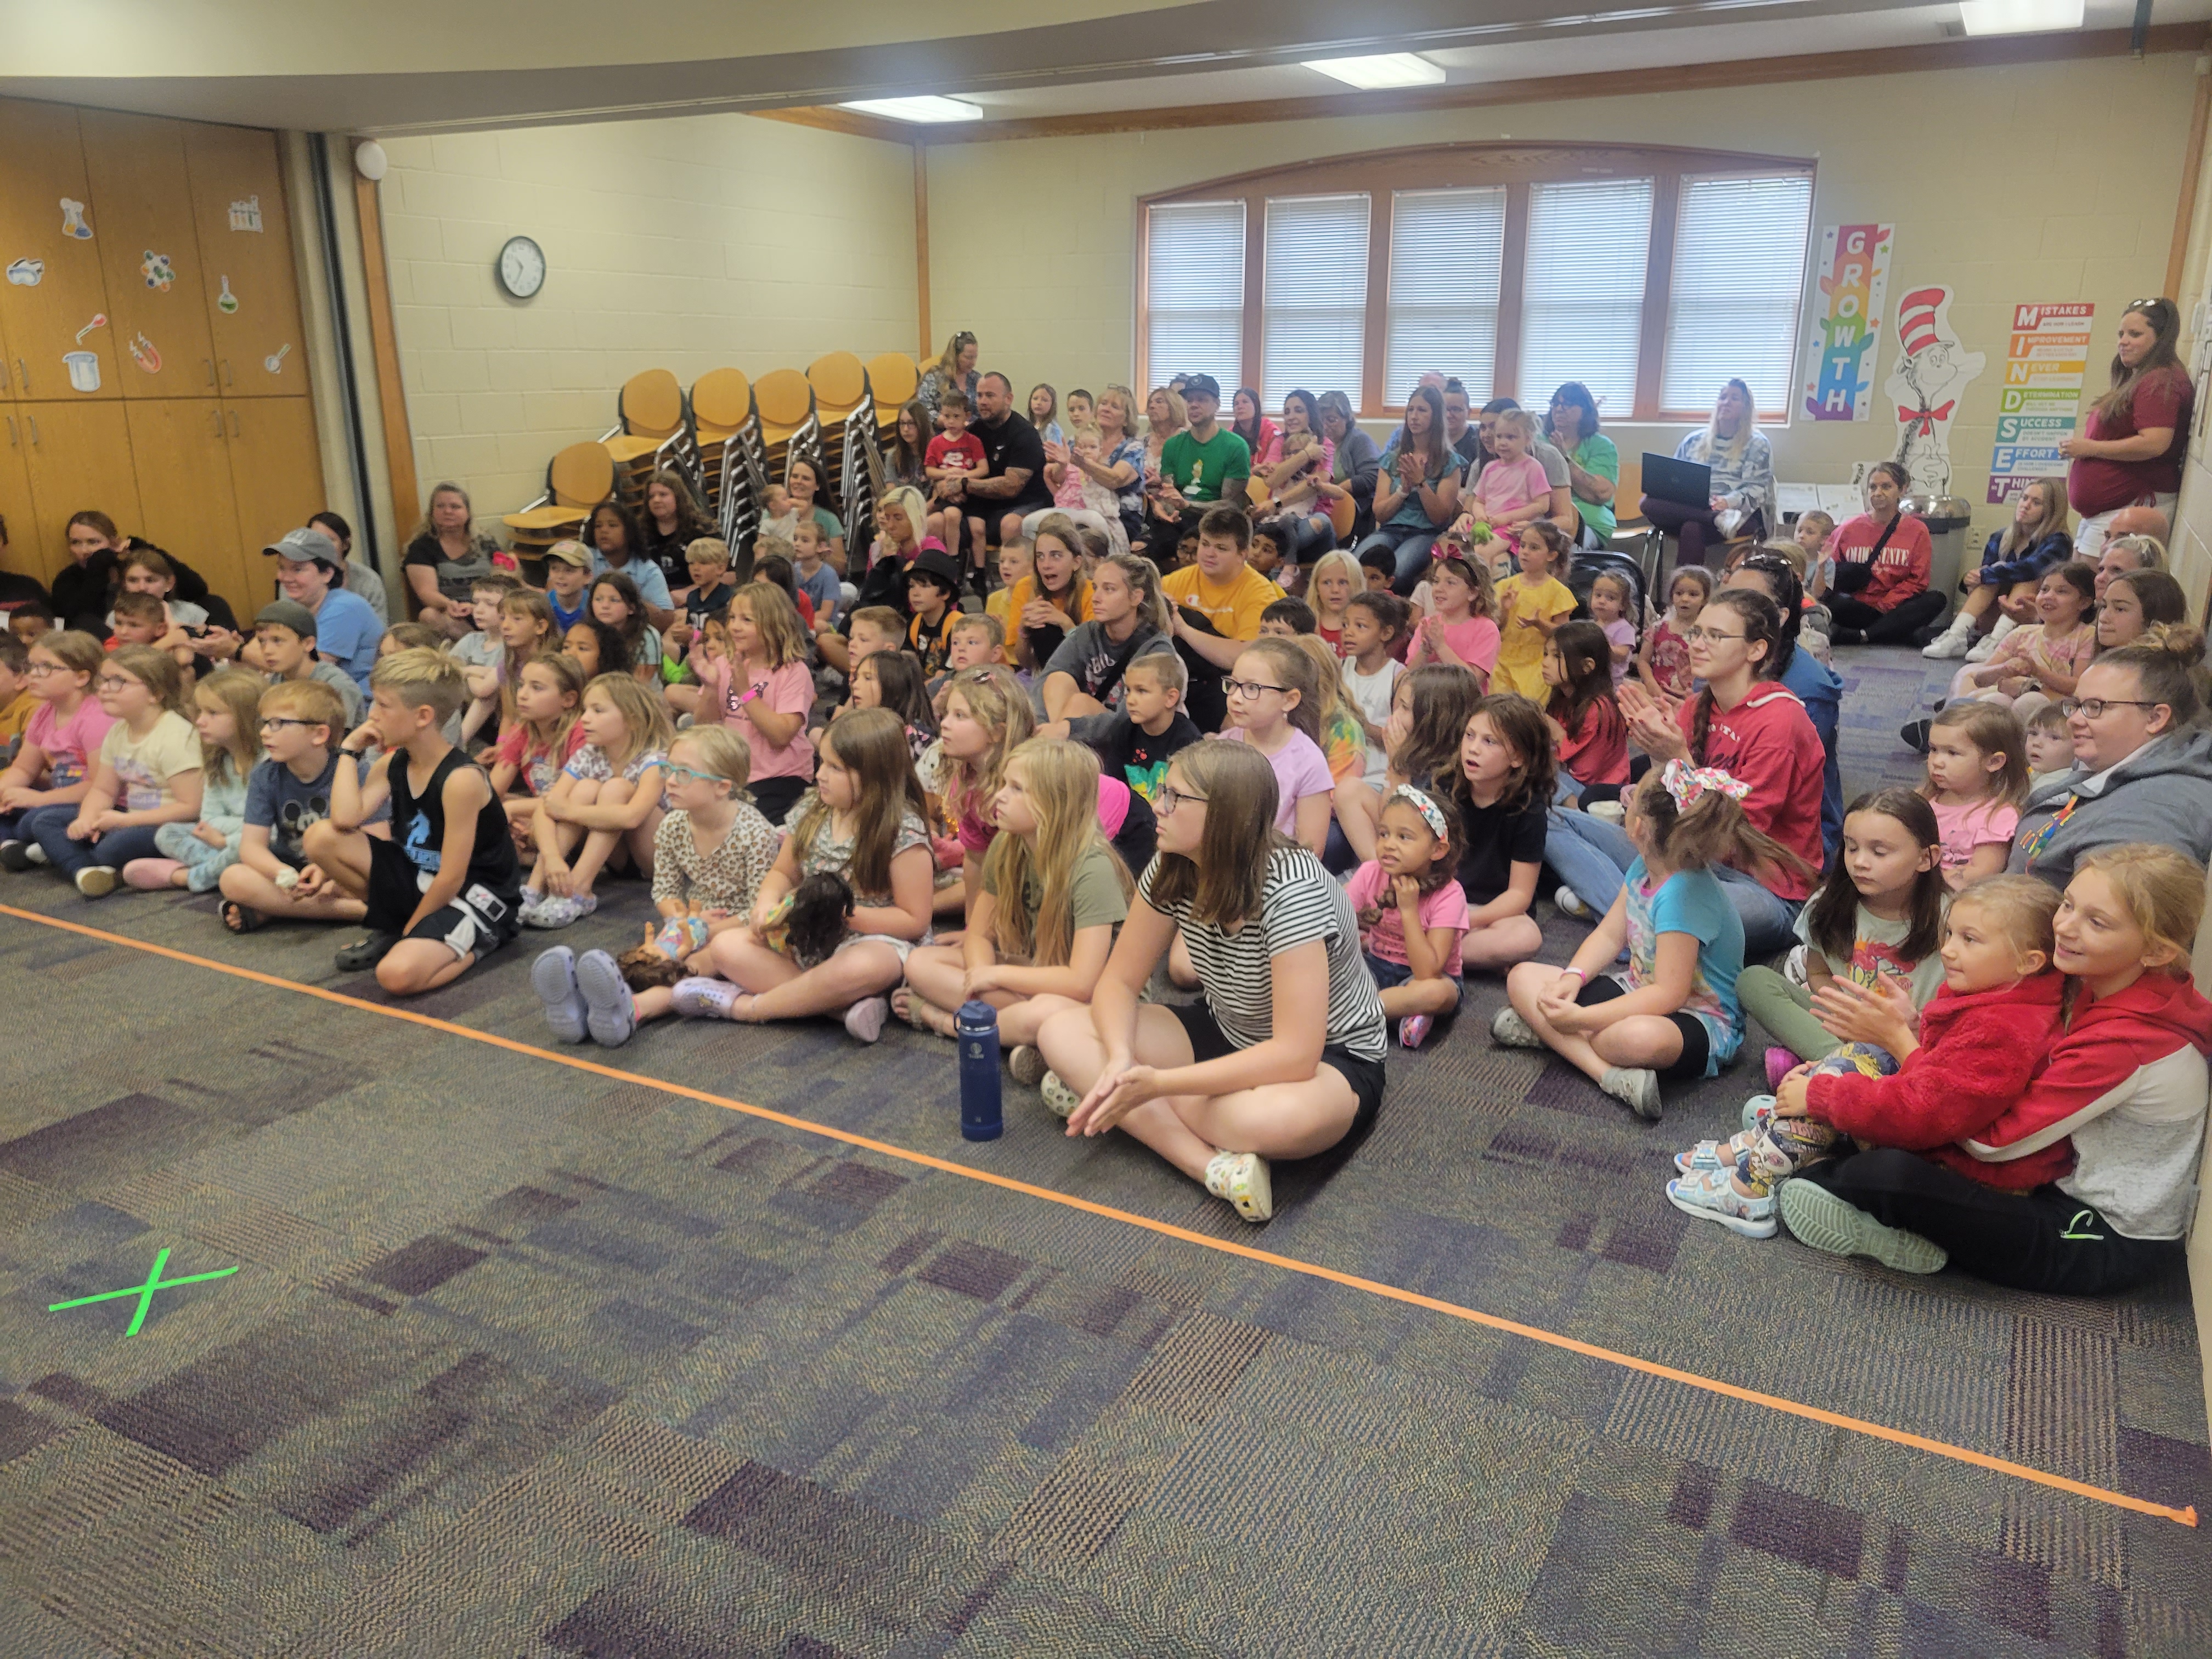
(1201, 386)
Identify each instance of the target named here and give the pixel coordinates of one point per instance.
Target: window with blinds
(1194, 290)
(1447, 261)
(1739, 274)
(1582, 305)
(1314, 302)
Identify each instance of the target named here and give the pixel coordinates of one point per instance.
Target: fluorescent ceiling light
(1391, 68)
(928, 107)
(2018, 16)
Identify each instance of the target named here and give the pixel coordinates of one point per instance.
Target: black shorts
(774, 798)
(1209, 1042)
(476, 923)
(1697, 1042)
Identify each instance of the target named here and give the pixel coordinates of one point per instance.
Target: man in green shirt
(1203, 466)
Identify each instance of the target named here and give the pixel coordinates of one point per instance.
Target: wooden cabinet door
(158, 313)
(79, 458)
(20, 550)
(182, 447)
(276, 466)
(252, 294)
(56, 348)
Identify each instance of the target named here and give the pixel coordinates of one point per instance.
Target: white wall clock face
(521, 267)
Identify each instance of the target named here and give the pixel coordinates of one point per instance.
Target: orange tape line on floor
(2187, 1517)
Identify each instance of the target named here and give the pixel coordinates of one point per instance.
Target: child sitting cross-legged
(710, 856)
(1042, 927)
(147, 773)
(226, 713)
(1412, 913)
(1975, 1047)
(866, 820)
(291, 789)
(53, 764)
(445, 892)
(607, 798)
(1673, 1015)
(542, 739)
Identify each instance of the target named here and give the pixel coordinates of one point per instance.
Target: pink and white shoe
(701, 998)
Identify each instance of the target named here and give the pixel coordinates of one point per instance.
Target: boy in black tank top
(445, 892)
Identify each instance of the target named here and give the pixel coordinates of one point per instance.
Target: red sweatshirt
(2126, 1082)
(1900, 571)
(1767, 741)
(1977, 1054)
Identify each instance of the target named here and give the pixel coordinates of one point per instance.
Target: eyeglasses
(1169, 798)
(278, 722)
(2093, 708)
(678, 773)
(38, 671)
(1249, 687)
(1695, 632)
(113, 682)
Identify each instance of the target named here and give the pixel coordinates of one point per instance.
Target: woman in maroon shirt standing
(1882, 595)
(2129, 454)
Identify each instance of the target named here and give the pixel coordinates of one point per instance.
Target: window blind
(1446, 259)
(1582, 301)
(1739, 272)
(1194, 291)
(1314, 302)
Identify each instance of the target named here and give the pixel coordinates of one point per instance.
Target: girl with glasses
(53, 767)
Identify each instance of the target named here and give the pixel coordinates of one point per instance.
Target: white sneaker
(1954, 641)
(1509, 1031)
(1992, 640)
(1059, 1099)
(1242, 1179)
(1635, 1087)
(1570, 904)
(1793, 967)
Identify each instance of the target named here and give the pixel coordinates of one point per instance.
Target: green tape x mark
(144, 1292)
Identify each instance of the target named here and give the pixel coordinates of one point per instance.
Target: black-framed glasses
(1695, 632)
(1169, 798)
(2093, 708)
(278, 722)
(1249, 687)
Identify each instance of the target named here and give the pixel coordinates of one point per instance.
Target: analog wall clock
(521, 267)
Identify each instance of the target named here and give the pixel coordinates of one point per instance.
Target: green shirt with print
(1199, 470)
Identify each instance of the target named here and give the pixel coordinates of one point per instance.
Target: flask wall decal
(226, 301)
(73, 222)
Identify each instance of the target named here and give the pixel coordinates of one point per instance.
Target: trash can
(1947, 517)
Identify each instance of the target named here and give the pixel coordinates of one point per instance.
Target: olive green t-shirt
(1094, 892)
(1198, 470)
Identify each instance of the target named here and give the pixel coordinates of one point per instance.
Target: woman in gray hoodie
(2142, 771)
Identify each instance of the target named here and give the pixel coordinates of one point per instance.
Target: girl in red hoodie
(2084, 1183)
(1978, 1040)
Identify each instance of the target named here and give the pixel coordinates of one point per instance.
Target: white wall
(685, 244)
(2046, 182)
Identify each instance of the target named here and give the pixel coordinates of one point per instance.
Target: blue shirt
(1818, 688)
(1690, 901)
(651, 583)
(563, 618)
(347, 632)
(821, 588)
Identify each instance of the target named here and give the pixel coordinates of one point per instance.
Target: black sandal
(241, 918)
(365, 953)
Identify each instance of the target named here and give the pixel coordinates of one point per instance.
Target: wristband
(1576, 972)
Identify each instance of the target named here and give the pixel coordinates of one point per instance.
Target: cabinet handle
(33, 420)
(3, 375)
(234, 430)
(23, 375)
(215, 415)
(227, 380)
(11, 432)
(209, 361)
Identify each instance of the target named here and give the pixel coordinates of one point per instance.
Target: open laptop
(1688, 483)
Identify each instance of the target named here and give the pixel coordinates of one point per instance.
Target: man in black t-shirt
(1013, 485)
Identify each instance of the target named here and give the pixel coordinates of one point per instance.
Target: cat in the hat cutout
(1930, 375)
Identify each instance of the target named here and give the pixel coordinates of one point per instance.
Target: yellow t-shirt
(1233, 607)
(13, 719)
(1521, 650)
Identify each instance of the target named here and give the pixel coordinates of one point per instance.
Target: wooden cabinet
(157, 286)
(246, 245)
(276, 469)
(23, 552)
(181, 447)
(78, 456)
(53, 300)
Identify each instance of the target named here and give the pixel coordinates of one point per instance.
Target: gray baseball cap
(306, 544)
(287, 613)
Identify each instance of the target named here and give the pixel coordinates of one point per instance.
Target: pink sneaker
(150, 875)
(1780, 1062)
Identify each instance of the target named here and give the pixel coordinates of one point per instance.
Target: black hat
(1202, 385)
(940, 567)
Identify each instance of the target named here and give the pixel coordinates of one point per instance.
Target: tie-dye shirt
(1690, 901)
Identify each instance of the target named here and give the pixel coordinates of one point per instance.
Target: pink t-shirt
(1977, 823)
(1506, 485)
(1385, 938)
(1301, 769)
(786, 690)
(1474, 641)
(70, 744)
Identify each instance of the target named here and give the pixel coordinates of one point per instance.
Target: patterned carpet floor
(527, 1358)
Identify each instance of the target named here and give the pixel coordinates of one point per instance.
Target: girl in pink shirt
(1977, 777)
(763, 691)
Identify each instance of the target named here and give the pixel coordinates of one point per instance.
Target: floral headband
(1431, 813)
(1685, 783)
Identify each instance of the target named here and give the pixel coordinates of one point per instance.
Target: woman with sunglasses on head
(2130, 448)
(2142, 770)
(955, 369)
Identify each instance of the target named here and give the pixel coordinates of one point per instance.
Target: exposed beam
(2192, 165)
(1992, 52)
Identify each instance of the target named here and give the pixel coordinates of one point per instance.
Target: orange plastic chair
(577, 480)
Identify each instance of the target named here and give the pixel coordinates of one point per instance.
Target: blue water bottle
(980, 1116)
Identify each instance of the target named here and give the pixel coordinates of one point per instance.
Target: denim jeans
(1592, 857)
(1411, 548)
(49, 827)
